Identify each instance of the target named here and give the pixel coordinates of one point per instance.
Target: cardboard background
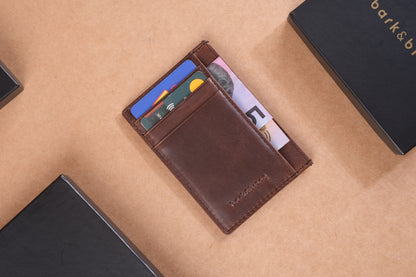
(82, 62)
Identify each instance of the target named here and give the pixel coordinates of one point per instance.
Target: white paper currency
(246, 101)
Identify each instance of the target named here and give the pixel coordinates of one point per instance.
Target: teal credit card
(173, 99)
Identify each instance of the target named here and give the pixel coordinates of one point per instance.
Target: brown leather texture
(217, 153)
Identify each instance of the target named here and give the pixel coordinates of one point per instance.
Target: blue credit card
(166, 85)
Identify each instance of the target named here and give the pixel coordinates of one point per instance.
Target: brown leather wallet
(216, 151)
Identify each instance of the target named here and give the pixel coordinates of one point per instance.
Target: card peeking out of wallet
(218, 140)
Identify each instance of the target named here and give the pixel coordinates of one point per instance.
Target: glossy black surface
(370, 61)
(61, 233)
(9, 86)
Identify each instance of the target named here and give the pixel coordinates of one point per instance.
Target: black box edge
(18, 89)
(344, 87)
(123, 238)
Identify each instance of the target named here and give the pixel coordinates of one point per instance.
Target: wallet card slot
(137, 122)
(224, 163)
(187, 57)
(180, 113)
(127, 111)
(198, 68)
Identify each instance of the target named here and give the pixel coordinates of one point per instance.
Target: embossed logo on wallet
(394, 27)
(247, 190)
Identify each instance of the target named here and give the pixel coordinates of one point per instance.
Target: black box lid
(9, 86)
(369, 47)
(62, 233)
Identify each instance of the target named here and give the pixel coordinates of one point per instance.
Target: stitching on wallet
(247, 190)
(268, 196)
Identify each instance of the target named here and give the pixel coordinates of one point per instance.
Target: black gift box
(62, 233)
(369, 48)
(9, 86)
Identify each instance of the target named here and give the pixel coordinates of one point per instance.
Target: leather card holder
(217, 153)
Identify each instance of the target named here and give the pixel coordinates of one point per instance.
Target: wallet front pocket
(224, 162)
